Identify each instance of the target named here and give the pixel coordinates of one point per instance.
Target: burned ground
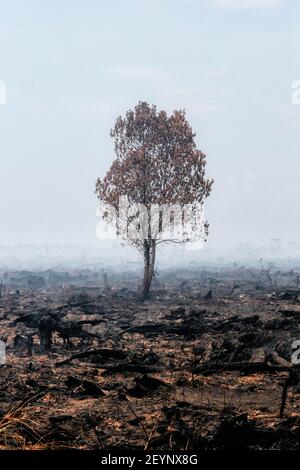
(204, 364)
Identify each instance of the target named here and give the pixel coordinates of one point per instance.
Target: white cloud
(81, 107)
(205, 109)
(216, 73)
(248, 3)
(136, 72)
(181, 90)
(242, 181)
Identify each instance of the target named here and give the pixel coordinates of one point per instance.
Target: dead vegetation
(92, 366)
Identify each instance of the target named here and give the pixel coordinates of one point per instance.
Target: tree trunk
(149, 263)
(45, 330)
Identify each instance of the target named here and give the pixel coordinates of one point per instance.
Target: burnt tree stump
(45, 331)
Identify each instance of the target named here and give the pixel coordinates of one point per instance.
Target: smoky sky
(71, 67)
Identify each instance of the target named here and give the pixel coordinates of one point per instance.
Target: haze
(71, 67)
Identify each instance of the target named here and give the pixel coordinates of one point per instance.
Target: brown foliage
(157, 163)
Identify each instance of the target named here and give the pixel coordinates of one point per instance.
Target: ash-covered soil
(205, 363)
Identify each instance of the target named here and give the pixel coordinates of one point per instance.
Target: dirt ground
(203, 364)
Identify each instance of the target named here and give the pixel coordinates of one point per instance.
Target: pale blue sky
(71, 66)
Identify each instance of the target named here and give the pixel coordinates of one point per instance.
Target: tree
(156, 186)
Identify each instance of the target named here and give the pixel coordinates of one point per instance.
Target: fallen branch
(249, 367)
(139, 368)
(104, 353)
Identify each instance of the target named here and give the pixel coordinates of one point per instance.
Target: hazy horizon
(70, 69)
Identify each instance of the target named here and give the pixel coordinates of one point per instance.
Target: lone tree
(155, 188)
